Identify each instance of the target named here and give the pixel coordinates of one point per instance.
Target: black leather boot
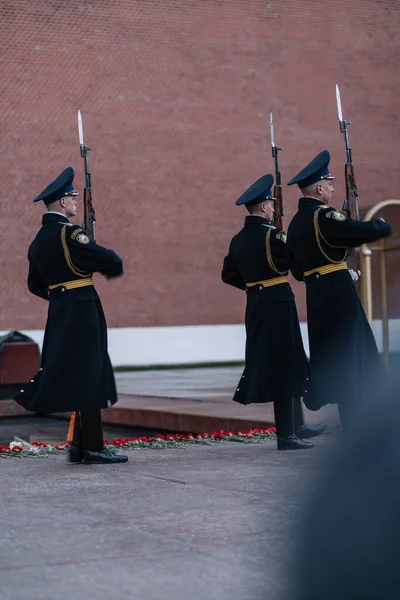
(103, 457)
(75, 454)
(309, 431)
(303, 431)
(292, 442)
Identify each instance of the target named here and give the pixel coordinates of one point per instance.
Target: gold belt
(325, 269)
(75, 283)
(269, 282)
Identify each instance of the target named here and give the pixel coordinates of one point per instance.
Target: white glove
(354, 274)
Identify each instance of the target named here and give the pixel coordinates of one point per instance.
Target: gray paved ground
(208, 523)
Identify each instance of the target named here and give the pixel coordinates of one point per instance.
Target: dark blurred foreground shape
(19, 361)
(349, 543)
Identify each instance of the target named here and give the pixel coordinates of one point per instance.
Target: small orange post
(70, 435)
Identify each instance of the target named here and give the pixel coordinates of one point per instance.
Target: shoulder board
(337, 216)
(78, 235)
(75, 232)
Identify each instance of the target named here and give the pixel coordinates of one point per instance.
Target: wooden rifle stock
(278, 218)
(89, 214)
(350, 206)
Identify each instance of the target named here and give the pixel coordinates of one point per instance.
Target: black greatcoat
(76, 372)
(344, 359)
(275, 361)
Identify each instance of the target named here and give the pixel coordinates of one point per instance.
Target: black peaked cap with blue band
(258, 192)
(316, 170)
(60, 187)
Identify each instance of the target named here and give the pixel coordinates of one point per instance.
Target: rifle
(350, 205)
(88, 226)
(278, 218)
(89, 219)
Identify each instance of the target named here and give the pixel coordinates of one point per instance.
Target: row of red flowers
(157, 441)
(181, 437)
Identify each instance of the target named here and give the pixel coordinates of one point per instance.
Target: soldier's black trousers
(288, 416)
(88, 430)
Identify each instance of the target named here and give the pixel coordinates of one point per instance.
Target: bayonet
(339, 104)
(271, 128)
(80, 129)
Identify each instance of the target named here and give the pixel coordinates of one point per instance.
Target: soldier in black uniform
(76, 372)
(276, 365)
(345, 366)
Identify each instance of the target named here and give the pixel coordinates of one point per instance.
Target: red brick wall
(175, 98)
